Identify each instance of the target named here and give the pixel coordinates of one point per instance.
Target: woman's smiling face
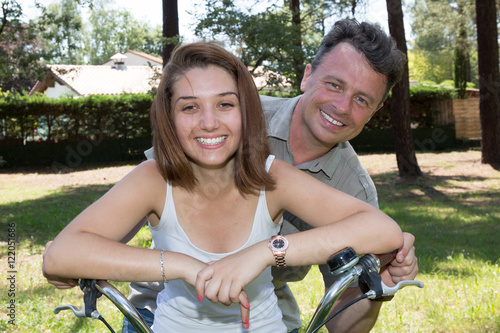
(207, 115)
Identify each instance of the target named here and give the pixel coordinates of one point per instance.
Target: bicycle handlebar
(124, 305)
(93, 289)
(349, 268)
(346, 265)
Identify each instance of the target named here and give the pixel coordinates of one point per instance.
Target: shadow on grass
(40, 220)
(446, 217)
(57, 168)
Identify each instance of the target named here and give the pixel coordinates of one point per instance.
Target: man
(350, 77)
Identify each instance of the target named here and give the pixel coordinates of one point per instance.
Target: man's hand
(405, 266)
(59, 283)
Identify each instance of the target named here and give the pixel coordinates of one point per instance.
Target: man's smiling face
(340, 96)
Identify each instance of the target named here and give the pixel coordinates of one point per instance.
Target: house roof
(99, 80)
(145, 55)
(136, 58)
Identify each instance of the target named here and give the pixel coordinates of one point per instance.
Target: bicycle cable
(106, 323)
(339, 311)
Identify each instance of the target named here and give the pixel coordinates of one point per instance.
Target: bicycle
(346, 265)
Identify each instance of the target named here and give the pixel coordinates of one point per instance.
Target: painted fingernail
(247, 326)
(246, 321)
(200, 298)
(248, 306)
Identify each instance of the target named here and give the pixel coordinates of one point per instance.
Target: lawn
(453, 211)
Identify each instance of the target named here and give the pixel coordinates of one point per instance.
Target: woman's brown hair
(250, 174)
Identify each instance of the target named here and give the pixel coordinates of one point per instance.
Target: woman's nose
(209, 120)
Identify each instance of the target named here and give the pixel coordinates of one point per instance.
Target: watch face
(278, 244)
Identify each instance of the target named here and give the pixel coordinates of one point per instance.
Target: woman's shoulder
(148, 172)
(289, 177)
(279, 168)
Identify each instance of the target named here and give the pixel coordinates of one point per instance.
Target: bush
(41, 119)
(42, 131)
(421, 100)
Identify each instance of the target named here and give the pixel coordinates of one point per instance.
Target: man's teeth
(330, 119)
(211, 141)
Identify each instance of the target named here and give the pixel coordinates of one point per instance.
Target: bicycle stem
(349, 268)
(325, 306)
(124, 305)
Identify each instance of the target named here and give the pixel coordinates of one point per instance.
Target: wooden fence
(467, 122)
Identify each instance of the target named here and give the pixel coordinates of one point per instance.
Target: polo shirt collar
(279, 123)
(279, 127)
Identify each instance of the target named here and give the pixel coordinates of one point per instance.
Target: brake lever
(90, 296)
(389, 291)
(372, 284)
(79, 313)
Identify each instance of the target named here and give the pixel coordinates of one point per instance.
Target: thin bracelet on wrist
(162, 268)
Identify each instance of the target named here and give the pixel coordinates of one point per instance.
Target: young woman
(214, 198)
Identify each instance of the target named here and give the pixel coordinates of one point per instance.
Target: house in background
(132, 72)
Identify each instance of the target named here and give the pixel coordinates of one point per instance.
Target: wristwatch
(278, 245)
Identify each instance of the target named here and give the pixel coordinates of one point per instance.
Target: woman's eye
(226, 105)
(189, 108)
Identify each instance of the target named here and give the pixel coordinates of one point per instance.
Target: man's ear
(378, 108)
(307, 74)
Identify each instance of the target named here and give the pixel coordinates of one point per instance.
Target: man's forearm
(360, 317)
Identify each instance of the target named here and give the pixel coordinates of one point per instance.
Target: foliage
(116, 30)
(20, 49)
(422, 98)
(39, 118)
(266, 40)
(61, 28)
(59, 36)
(108, 31)
(444, 30)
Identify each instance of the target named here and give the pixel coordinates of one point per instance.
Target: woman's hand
(223, 281)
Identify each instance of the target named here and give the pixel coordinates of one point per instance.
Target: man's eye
(362, 100)
(334, 85)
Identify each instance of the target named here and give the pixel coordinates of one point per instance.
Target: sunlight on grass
(454, 215)
(460, 295)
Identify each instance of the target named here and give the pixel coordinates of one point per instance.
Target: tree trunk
(298, 61)
(170, 28)
(400, 102)
(489, 105)
(461, 52)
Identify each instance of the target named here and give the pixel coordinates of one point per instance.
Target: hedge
(46, 131)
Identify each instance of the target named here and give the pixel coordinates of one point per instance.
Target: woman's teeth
(211, 141)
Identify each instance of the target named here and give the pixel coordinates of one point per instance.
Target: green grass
(453, 212)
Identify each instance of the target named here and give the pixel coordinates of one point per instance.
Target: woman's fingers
(245, 309)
